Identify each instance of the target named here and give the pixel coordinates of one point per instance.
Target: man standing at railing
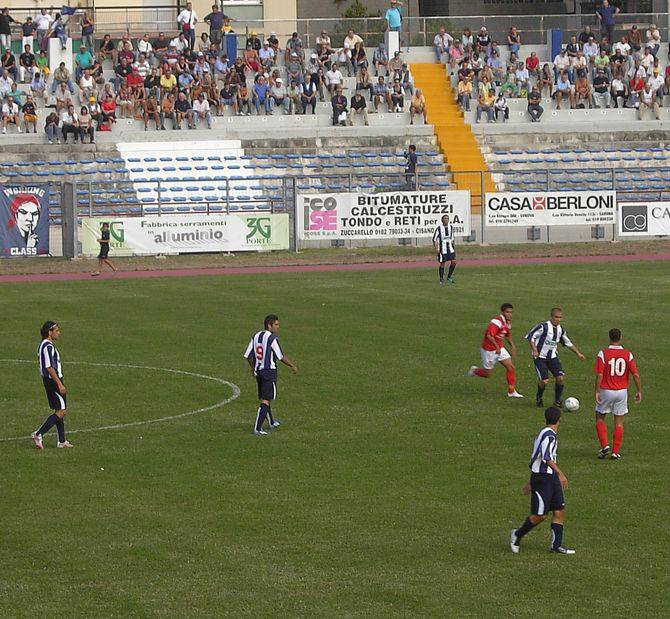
(393, 16)
(215, 20)
(187, 20)
(605, 14)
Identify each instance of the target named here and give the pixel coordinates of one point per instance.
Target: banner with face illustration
(24, 220)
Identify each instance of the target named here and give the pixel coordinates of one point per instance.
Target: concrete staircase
(454, 136)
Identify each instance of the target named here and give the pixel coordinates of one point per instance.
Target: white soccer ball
(572, 404)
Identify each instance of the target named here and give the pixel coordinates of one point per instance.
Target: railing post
(296, 229)
(482, 208)
(227, 196)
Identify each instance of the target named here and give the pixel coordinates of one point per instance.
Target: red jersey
(615, 363)
(498, 329)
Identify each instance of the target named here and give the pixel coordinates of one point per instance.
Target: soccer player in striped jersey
(262, 354)
(614, 366)
(52, 378)
(544, 339)
(443, 240)
(493, 351)
(545, 487)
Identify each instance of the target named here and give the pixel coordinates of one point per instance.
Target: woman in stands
(125, 101)
(455, 54)
(398, 97)
(108, 105)
(86, 125)
(359, 58)
(514, 40)
(546, 79)
(467, 40)
(251, 59)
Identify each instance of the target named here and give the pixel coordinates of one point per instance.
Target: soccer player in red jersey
(493, 351)
(613, 368)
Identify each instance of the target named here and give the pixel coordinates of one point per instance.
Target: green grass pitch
(390, 488)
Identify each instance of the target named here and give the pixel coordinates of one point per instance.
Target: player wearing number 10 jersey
(262, 353)
(613, 367)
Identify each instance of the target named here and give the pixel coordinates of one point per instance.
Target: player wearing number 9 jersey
(613, 367)
(262, 354)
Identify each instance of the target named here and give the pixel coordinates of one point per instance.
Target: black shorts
(451, 255)
(546, 494)
(104, 251)
(267, 384)
(544, 366)
(57, 402)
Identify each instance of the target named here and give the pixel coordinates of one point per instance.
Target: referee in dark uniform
(103, 256)
(546, 486)
(262, 354)
(443, 240)
(52, 378)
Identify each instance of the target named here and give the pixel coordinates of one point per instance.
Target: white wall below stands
(57, 55)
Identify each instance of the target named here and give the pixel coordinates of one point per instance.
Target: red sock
(481, 372)
(601, 430)
(617, 439)
(511, 380)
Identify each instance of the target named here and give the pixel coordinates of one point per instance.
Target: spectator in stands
(653, 40)
(397, 97)
(29, 114)
(405, 79)
(647, 61)
(168, 111)
(456, 53)
(42, 26)
(605, 44)
(591, 50)
(27, 66)
(187, 20)
(441, 44)
(267, 56)
(152, 85)
(86, 126)
(10, 114)
(136, 84)
(86, 85)
(667, 79)
(227, 98)
(161, 45)
(601, 90)
(63, 97)
(255, 42)
(546, 80)
(618, 62)
(294, 68)
(52, 127)
(467, 40)
(605, 14)
(108, 106)
(42, 63)
(358, 106)
(535, 110)
(380, 59)
(521, 76)
(393, 17)
(38, 85)
(648, 101)
(168, 81)
(635, 38)
(533, 66)
(585, 35)
(339, 105)
(583, 94)
(579, 66)
(82, 60)
(619, 89)
(150, 110)
(657, 83)
(485, 101)
(395, 65)
(514, 40)
(261, 96)
(349, 45)
(293, 93)
(497, 67)
(6, 21)
(243, 99)
(563, 90)
(323, 45)
(417, 106)
(28, 28)
(107, 49)
(359, 57)
(145, 50)
(279, 96)
(465, 94)
(57, 30)
(121, 73)
(483, 41)
(180, 43)
(9, 64)
(5, 83)
(334, 78)
(87, 28)
(602, 61)
(308, 91)
(95, 111)
(62, 76)
(184, 111)
(215, 22)
(380, 92)
(70, 124)
(142, 65)
(500, 107)
(202, 110)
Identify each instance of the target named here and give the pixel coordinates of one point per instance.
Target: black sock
(556, 535)
(49, 423)
(271, 419)
(441, 270)
(60, 428)
(558, 390)
(540, 392)
(524, 528)
(452, 266)
(260, 416)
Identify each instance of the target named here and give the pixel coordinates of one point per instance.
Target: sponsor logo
(260, 229)
(569, 201)
(116, 231)
(539, 203)
(322, 213)
(634, 218)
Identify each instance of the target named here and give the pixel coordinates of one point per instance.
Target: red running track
(307, 268)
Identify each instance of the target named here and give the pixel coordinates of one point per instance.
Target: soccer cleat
(260, 433)
(539, 402)
(471, 371)
(615, 457)
(514, 394)
(558, 403)
(275, 424)
(451, 280)
(563, 551)
(602, 454)
(64, 445)
(514, 542)
(37, 439)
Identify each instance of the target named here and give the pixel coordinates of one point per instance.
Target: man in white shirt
(5, 83)
(648, 101)
(187, 19)
(201, 110)
(142, 65)
(42, 24)
(70, 122)
(267, 55)
(522, 76)
(334, 78)
(441, 43)
(180, 42)
(657, 85)
(10, 114)
(279, 96)
(144, 47)
(561, 63)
